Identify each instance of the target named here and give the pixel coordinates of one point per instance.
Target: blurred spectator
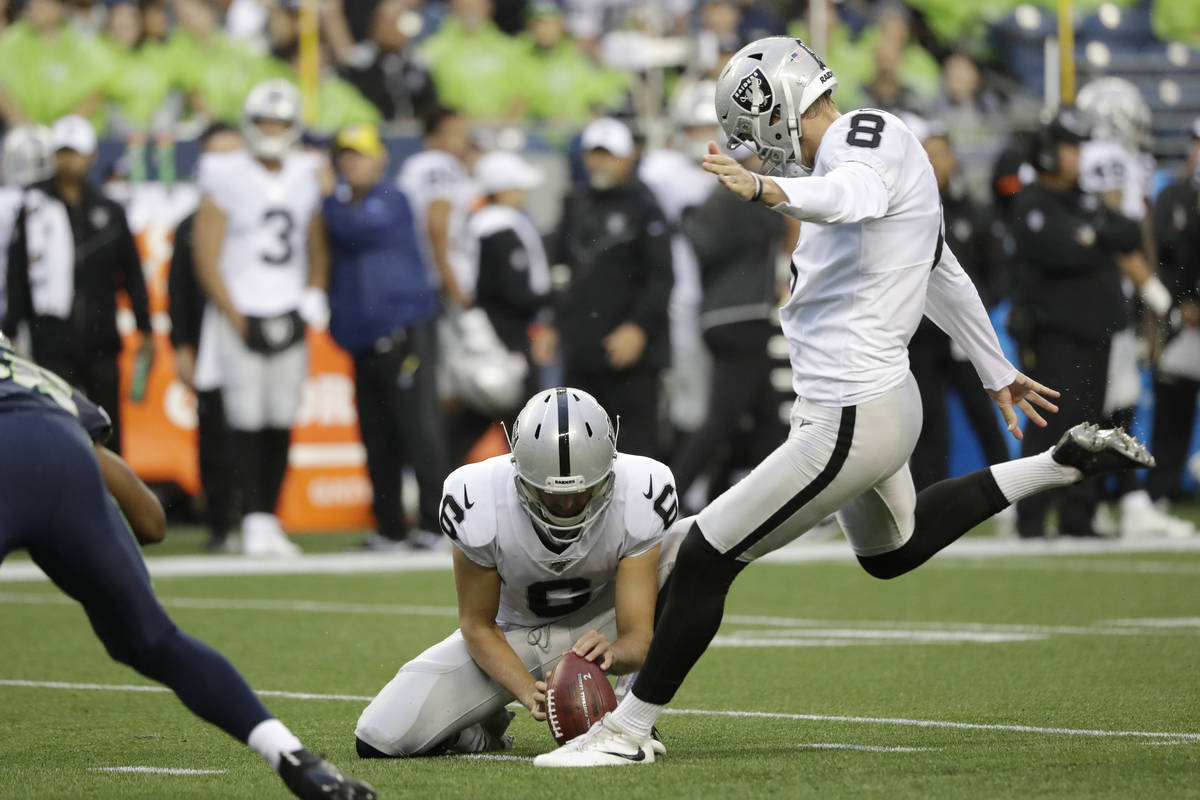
(737, 245)
(384, 311)
(27, 158)
(562, 83)
(513, 287)
(246, 22)
(48, 70)
(976, 121)
(439, 190)
(186, 309)
(1067, 303)
(217, 71)
(385, 69)
(720, 22)
(612, 315)
(142, 73)
(338, 103)
(64, 282)
(680, 184)
(937, 364)
(906, 76)
(1177, 377)
(475, 66)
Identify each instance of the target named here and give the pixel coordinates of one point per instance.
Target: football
(577, 695)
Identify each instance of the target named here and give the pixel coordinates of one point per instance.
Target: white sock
(637, 716)
(1022, 477)
(271, 739)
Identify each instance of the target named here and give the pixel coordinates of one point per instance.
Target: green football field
(990, 673)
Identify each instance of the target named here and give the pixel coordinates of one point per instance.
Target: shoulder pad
(648, 489)
(467, 515)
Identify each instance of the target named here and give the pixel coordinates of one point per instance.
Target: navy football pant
(53, 503)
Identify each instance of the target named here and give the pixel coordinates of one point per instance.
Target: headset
(1067, 126)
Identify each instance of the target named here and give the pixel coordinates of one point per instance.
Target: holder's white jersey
(865, 266)
(1106, 166)
(432, 175)
(482, 516)
(264, 257)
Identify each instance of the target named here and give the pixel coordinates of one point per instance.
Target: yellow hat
(361, 138)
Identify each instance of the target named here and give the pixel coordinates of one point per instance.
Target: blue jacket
(379, 282)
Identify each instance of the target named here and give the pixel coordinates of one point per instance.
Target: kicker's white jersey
(264, 257)
(482, 516)
(861, 271)
(1107, 166)
(432, 175)
(10, 207)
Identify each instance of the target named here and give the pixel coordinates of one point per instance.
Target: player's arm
(139, 505)
(478, 602)
(439, 242)
(208, 236)
(953, 303)
(314, 305)
(636, 594)
(851, 192)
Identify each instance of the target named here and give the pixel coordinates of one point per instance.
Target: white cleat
(604, 745)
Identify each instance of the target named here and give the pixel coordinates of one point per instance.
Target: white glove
(314, 308)
(1156, 296)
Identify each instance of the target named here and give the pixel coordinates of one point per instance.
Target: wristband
(1156, 296)
(758, 188)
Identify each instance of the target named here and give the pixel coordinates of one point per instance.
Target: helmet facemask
(564, 449)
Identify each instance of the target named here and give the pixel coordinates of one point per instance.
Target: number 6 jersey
(264, 257)
(542, 581)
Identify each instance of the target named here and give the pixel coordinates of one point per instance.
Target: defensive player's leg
(86, 549)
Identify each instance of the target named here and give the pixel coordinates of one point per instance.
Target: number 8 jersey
(540, 581)
(264, 256)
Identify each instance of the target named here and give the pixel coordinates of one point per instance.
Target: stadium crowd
(640, 282)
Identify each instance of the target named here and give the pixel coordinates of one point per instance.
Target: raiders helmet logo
(753, 94)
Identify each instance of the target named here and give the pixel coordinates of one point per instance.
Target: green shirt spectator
(850, 60)
(475, 67)
(339, 103)
(142, 75)
(1177, 21)
(50, 72)
(217, 72)
(561, 83)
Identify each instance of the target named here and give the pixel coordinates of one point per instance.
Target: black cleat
(1095, 451)
(311, 777)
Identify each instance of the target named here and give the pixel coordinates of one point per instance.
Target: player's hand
(535, 701)
(1024, 393)
(543, 344)
(625, 345)
(595, 646)
(732, 175)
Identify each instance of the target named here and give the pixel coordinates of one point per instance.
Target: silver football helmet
(1117, 111)
(27, 156)
(274, 100)
(564, 447)
(764, 90)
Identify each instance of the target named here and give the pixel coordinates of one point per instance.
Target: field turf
(1007, 676)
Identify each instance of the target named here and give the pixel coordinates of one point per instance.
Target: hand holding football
(577, 696)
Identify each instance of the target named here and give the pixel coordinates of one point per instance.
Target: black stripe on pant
(837, 459)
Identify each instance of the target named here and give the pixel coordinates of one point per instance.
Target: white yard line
(934, 723)
(494, 757)
(898, 721)
(797, 553)
(162, 770)
(865, 748)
